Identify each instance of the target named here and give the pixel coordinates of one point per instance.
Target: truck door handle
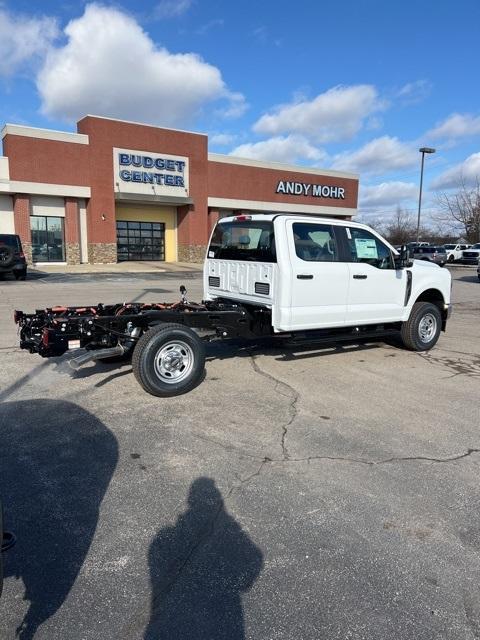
(305, 276)
(360, 276)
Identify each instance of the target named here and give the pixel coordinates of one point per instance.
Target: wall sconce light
(104, 217)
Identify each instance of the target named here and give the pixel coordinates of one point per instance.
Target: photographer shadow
(56, 462)
(199, 569)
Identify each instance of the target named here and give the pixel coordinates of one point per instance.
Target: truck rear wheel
(422, 329)
(169, 360)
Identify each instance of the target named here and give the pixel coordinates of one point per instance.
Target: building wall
(47, 161)
(7, 224)
(250, 182)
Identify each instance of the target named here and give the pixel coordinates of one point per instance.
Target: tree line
(457, 216)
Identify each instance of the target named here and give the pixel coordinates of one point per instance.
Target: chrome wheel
(427, 327)
(174, 362)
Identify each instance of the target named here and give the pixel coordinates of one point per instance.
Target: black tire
(7, 256)
(451, 258)
(20, 275)
(178, 370)
(425, 319)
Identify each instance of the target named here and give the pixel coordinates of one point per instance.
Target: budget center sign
(157, 174)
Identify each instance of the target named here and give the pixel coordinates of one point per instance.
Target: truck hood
(425, 264)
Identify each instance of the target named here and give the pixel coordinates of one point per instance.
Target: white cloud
(237, 105)
(378, 156)
(338, 114)
(222, 139)
(171, 8)
(110, 66)
(23, 38)
(289, 149)
(414, 92)
(387, 194)
(209, 26)
(457, 125)
(467, 172)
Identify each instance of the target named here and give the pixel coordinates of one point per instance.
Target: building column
(72, 231)
(21, 217)
(213, 216)
(191, 240)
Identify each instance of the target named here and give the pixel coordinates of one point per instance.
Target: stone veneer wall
(191, 253)
(27, 250)
(102, 253)
(73, 253)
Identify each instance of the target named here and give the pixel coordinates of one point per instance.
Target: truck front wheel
(422, 329)
(169, 360)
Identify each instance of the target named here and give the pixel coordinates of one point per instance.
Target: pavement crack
(291, 394)
(373, 463)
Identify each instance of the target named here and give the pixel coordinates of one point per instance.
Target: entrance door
(138, 240)
(48, 239)
(319, 280)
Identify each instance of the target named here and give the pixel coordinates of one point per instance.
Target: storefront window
(48, 239)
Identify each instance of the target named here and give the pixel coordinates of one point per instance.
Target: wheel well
(435, 297)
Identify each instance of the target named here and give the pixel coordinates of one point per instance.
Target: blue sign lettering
(162, 170)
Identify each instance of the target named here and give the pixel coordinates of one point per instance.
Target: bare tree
(460, 210)
(401, 228)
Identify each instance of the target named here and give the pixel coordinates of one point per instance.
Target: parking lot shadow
(199, 569)
(56, 462)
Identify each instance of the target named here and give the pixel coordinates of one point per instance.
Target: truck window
(314, 242)
(367, 248)
(249, 240)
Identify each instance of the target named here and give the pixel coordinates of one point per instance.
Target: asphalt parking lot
(326, 493)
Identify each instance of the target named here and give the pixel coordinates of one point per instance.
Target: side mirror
(404, 260)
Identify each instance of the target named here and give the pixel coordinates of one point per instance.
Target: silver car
(432, 254)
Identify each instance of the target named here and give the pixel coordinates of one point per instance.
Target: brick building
(117, 191)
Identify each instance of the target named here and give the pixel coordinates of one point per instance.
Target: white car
(455, 251)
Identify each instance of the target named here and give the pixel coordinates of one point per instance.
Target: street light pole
(423, 151)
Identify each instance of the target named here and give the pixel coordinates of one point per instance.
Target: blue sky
(355, 86)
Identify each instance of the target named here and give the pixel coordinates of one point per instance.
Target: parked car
(478, 271)
(471, 255)
(438, 255)
(455, 251)
(12, 258)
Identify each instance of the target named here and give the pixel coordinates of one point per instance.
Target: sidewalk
(119, 267)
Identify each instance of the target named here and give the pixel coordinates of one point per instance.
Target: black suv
(12, 258)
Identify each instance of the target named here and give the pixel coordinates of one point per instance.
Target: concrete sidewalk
(119, 267)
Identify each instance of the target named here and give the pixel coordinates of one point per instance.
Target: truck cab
(313, 272)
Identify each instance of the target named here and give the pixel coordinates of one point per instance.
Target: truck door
(377, 289)
(319, 280)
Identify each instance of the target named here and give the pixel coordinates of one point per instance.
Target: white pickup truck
(304, 278)
(455, 251)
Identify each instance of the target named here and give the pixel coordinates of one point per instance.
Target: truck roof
(293, 216)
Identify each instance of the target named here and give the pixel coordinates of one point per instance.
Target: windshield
(476, 246)
(243, 240)
(449, 246)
